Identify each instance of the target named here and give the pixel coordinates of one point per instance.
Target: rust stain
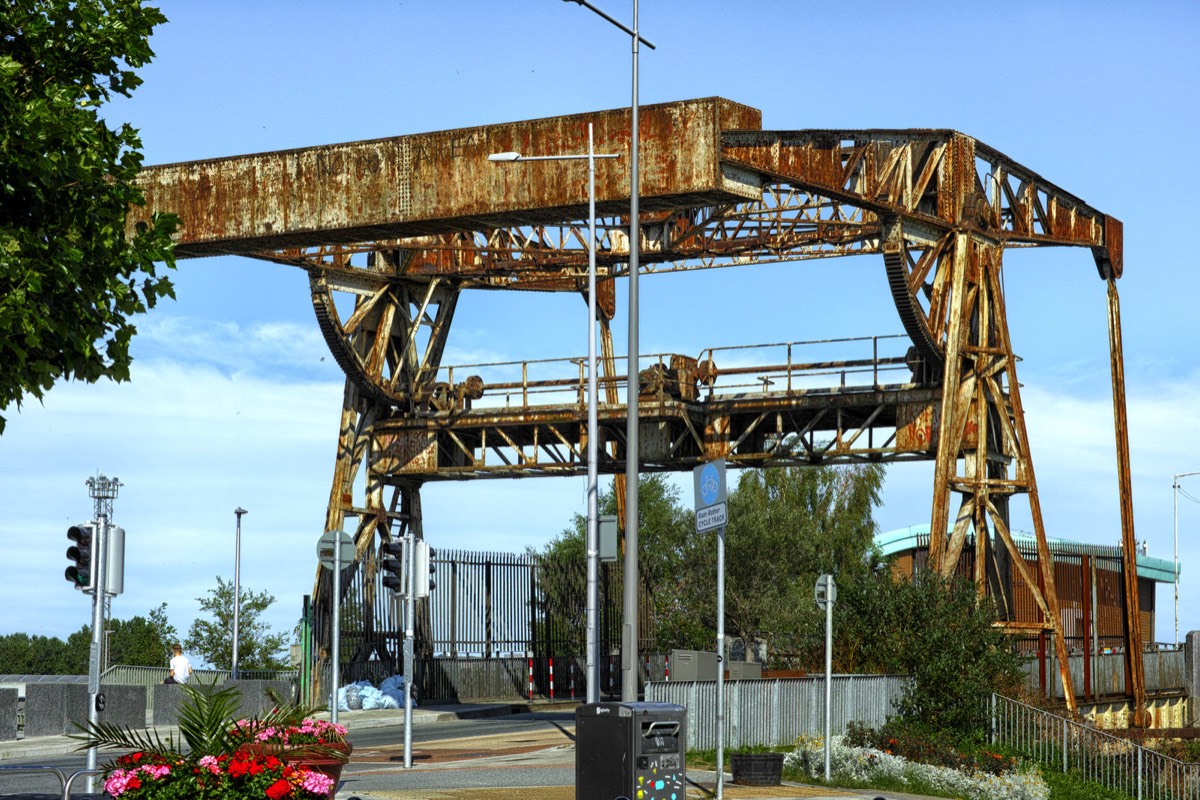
(438, 182)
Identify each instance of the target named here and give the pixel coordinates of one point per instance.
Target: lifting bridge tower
(391, 231)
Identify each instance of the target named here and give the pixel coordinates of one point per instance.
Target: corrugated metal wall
(1164, 672)
(774, 712)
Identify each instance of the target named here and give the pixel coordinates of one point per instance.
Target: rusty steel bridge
(392, 231)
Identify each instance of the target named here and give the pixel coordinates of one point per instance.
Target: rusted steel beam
(442, 182)
(1134, 669)
(940, 177)
(827, 427)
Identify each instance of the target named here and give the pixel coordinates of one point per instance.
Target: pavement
(534, 765)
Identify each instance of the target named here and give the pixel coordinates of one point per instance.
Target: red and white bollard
(531, 680)
(667, 667)
(551, 679)
(571, 673)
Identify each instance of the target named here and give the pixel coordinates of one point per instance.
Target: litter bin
(630, 750)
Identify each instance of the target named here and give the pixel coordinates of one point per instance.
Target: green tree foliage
(70, 278)
(662, 535)
(787, 525)
(139, 641)
(22, 654)
(211, 638)
(142, 641)
(938, 632)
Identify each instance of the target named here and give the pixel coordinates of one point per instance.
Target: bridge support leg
(1135, 683)
(983, 446)
(391, 348)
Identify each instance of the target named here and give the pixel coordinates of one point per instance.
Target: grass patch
(1071, 787)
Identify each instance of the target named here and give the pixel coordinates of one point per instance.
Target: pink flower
(117, 782)
(317, 783)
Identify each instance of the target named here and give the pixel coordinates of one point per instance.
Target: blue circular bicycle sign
(710, 484)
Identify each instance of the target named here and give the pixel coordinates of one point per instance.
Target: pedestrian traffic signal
(424, 567)
(391, 560)
(80, 573)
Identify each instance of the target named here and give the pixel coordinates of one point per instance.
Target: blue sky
(234, 401)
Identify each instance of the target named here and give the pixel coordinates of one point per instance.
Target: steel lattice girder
(415, 219)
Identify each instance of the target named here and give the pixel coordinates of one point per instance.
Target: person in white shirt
(181, 668)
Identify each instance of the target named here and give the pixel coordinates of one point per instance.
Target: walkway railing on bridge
(1092, 754)
(862, 363)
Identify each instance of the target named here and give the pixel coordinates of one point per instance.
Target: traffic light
(114, 567)
(424, 567)
(80, 573)
(391, 559)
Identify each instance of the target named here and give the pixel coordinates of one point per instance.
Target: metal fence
(1164, 670)
(775, 712)
(124, 675)
(1093, 755)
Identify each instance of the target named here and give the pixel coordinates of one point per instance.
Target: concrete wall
(8, 714)
(124, 706)
(1191, 675)
(1165, 712)
(53, 709)
(254, 699)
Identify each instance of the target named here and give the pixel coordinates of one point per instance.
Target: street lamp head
(239, 511)
(504, 157)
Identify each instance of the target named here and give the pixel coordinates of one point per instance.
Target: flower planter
(757, 769)
(326, 763)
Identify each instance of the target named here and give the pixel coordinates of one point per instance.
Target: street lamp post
(593, 546)
(237, 588)
(629, 606)
(1175, 489)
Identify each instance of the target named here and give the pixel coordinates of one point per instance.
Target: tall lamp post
(593, 545)
(1175, 488)
(629, 606)
(237, 588)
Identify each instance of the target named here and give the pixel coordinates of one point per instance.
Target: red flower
(279, 789)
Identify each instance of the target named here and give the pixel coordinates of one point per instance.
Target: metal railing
(65, 781)
(785, 368)
(1091, 754)
(123, 675)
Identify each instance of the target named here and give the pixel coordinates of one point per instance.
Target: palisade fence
(1091, 754)
(774, 712)
(492, 616)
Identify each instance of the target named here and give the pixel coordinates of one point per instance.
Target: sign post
(825, 593)
(335, 548)
(709, 482)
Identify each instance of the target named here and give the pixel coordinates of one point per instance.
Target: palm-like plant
(205, 728)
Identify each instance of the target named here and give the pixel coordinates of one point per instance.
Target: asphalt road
(378, 760)
(520, 750)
